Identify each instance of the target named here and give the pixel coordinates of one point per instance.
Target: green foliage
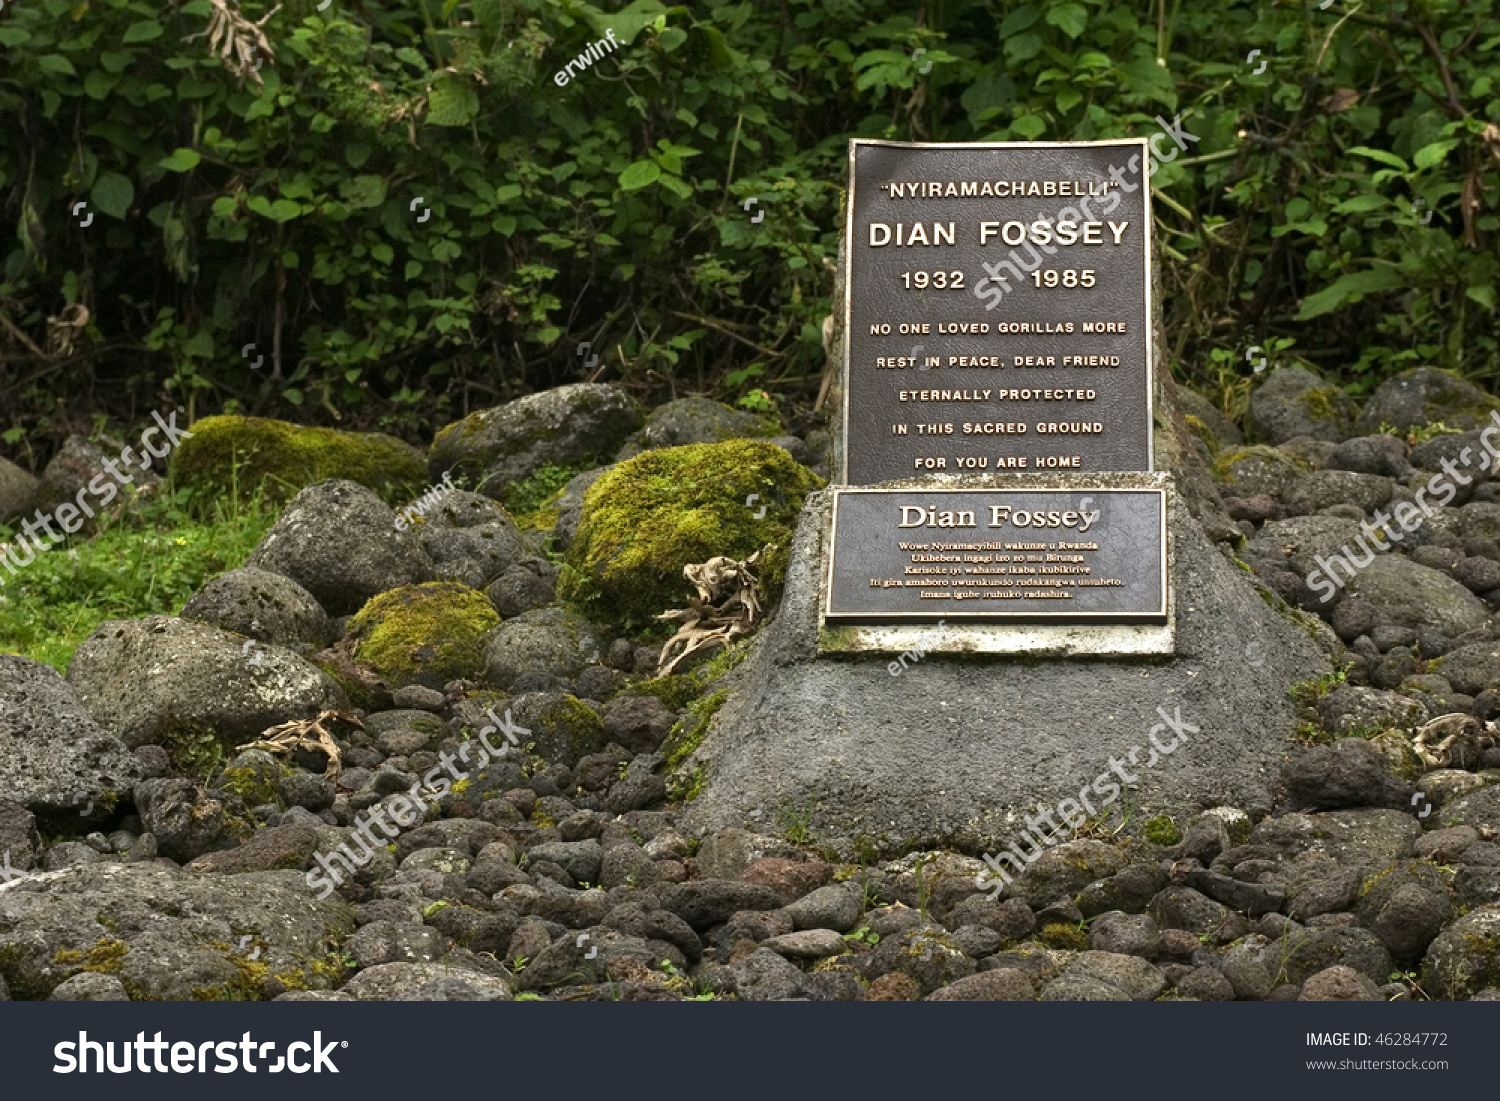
(406, 214)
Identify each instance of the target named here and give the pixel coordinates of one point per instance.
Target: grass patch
(146, 561)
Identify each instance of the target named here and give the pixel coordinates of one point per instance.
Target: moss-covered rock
(288, 457)
(656, 513)
(1246, 471)
(424, 634)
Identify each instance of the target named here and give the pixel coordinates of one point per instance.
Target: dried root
(705, 625)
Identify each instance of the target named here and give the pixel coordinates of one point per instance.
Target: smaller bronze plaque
(997, 555)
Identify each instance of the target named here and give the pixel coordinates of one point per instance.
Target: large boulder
(1248, 471)
(1471, 669)
(694, 420)
(185, 686)
(17, 488)
(1423, 396)
(1295, 402)
(470, 539)
(1409, 594)
(958, 752)
(424, 634)
(55, 758)
(339, 541)
(565, 426)
(79, 464)
(279, 458)
(1465, 957)
(650, 516)
(168, 935)
(261, 605)
(548, 641)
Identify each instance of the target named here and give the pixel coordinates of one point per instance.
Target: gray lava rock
(258, 604)
(570, 504)
(89, 986)
(548, 640)
(1348, 773)
(1423, 396)
(1125, 935)
(705, 902)
(1251, 472)
(172, 936)
(17, 488)
(926, 954)
(693, 420)
(837, 907)
(764, 976)
(1131, 974)
(1322, 488)
(186, 822)
(1081, 988)
(563, 426)
(1463, 960)
(1350, 707)
(339, 541)
(1378, 454)
(519, 590)
(169, 682)
(55, 759)
(407, 982)
(1339, 984)
(1005, 985)
(1295, 402)
(639, 723)
(1412, 595)
(1471, 669)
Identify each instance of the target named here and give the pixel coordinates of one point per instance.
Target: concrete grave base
(954, 749)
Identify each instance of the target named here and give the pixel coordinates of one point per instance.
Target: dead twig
(287, 738)
(705, 625)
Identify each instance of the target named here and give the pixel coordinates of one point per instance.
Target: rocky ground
(148, 857)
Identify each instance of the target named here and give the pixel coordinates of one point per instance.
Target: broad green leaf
(1382, 156)
(638, 175)
(56, 63)
(98, 84)
(113, 193)
(181, 160)
(363, 192)
(383, 253)
(452, 101)
(1069, 18)
(1360, 204)
(627, 22)
(1348, 289)
(14, 36)
(1019, 20)
(1149, 79)
(1430, 155)
(1483, 294)
(142, 32)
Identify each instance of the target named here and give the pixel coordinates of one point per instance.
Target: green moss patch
(662, 510)
(424, 634)
(246, 453)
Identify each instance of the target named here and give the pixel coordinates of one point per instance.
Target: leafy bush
(407, 215)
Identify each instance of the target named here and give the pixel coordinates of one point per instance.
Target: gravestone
(997, 312)
(1007, 592)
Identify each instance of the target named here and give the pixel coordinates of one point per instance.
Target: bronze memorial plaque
(957, 554)
(997, 309)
